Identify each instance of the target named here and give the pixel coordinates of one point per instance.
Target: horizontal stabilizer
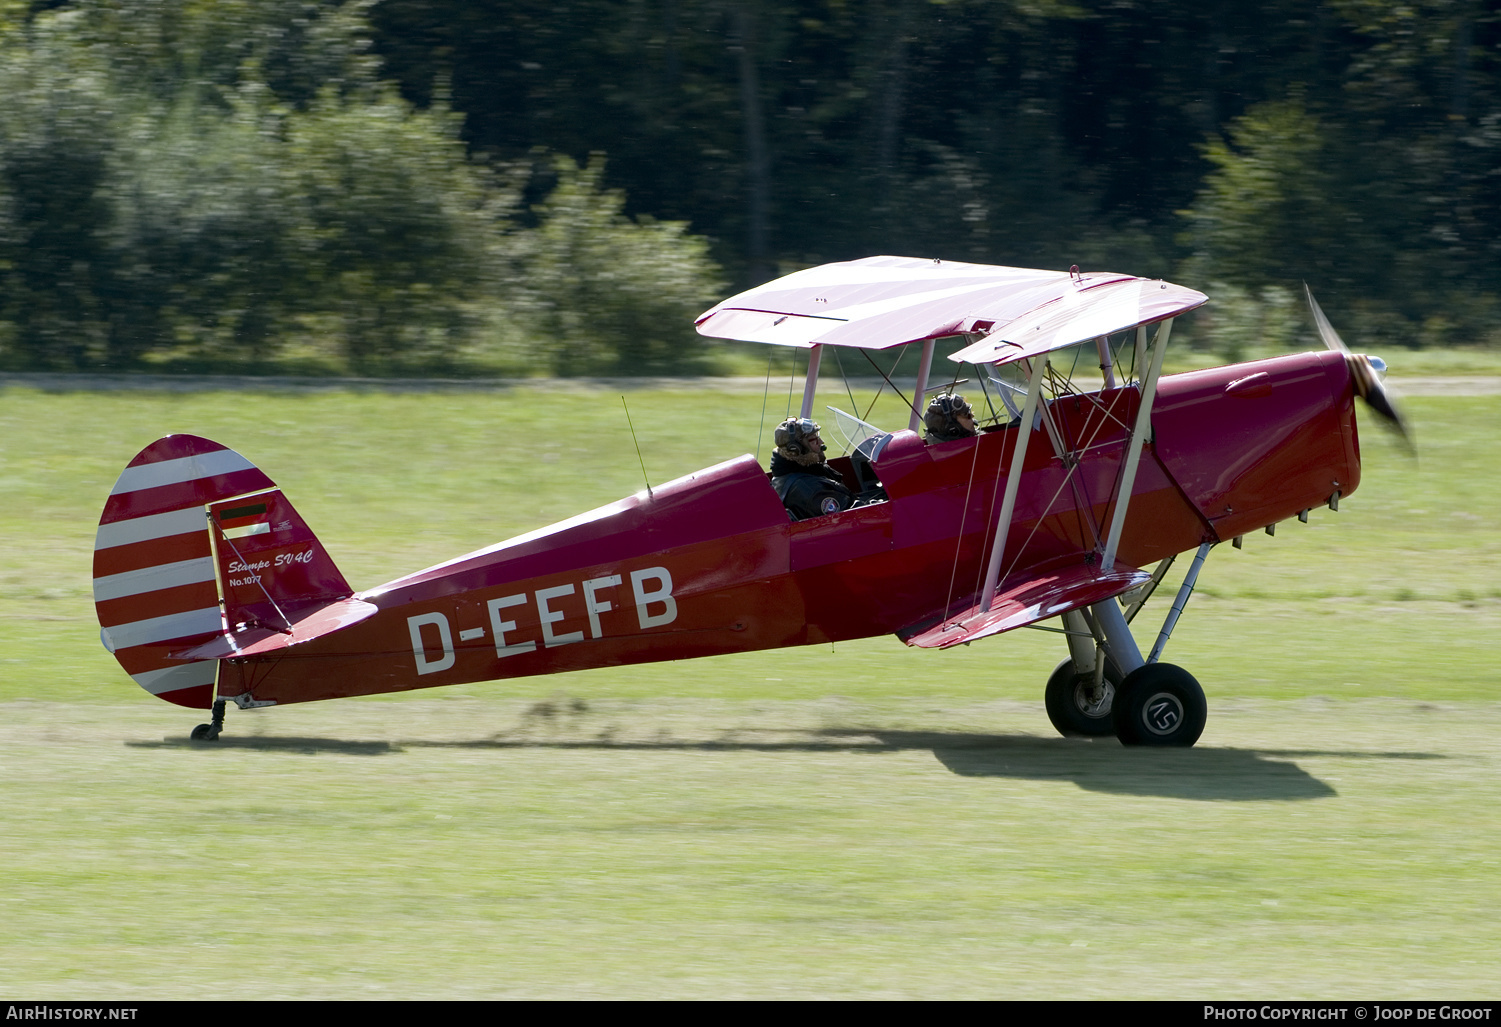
(306, 624)
(1026, 603)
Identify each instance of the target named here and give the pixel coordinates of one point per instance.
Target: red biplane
(211, 589)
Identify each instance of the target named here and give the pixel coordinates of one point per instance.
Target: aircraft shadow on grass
(268, 743)
(1203, 773)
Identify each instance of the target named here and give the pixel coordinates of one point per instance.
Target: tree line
(560, 186)
(236, 183)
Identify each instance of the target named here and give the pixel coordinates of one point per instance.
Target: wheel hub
(1092, 701)
(1162, 713)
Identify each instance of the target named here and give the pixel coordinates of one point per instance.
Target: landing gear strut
(210, 732)
(1082, 689)
(1140, 701)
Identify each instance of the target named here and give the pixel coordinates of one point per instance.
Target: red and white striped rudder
(154, 577)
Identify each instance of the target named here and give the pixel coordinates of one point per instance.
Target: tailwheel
(1159, 704)
(1076, 706)
(210, 732)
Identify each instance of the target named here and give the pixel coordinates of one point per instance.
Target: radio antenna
(632, 427)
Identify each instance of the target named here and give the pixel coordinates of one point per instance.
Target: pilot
(948, 418)
(808, 486)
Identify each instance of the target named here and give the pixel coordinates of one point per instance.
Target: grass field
(859, 820)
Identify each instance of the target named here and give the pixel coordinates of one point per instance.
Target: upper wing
(1035, 599)
(880, 302)
(1084, 312)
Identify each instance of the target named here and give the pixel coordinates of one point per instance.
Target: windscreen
(854, 430)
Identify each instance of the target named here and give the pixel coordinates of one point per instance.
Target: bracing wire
(257, 579)
(848, 391)
(974, 462)
(639, 457)
(791, 379)
(766, 395)
(887, 377)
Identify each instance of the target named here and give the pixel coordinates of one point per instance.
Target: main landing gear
(1105, 687)
(1159, 704)
(1078, 704)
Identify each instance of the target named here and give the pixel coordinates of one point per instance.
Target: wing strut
(810, 385)
(1108, 613)
(1138, 437)
(1106, 368)
(1013, 482)
(921, 388)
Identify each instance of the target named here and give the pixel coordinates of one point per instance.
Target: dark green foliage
(56, 279)
(219, 178)
(610, 294)
(240, 180)
(1022, 131)
(393, 242)
(1382, 195)
(225, 183)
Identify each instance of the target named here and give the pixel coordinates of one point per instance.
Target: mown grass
(695, 848)
(859, 820)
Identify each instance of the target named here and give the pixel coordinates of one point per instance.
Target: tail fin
(154, 581)
(199, 556)
(271, 565)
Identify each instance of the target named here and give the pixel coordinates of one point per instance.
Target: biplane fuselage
(710, 563)
(210, 588)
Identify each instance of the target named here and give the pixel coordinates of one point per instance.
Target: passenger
(807, 485)
(948, 418)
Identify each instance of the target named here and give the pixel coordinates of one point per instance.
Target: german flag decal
(240, 521)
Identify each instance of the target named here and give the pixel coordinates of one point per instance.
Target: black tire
(1074, 709)
(204, 733)
(1160, 704)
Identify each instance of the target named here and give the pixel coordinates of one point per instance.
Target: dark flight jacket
(809, 491)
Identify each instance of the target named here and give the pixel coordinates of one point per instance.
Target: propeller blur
(1368, 374)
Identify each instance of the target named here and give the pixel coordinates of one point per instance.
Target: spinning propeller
(1366, 372)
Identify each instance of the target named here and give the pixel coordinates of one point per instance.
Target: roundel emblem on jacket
(829, 504)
